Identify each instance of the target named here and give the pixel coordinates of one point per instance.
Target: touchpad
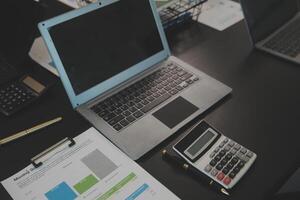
(175, 112)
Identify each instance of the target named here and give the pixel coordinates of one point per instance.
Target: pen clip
(50, 149)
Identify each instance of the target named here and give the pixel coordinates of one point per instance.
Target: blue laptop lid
(82, 85)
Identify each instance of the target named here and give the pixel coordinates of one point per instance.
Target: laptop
(274, 26)
(116, 67)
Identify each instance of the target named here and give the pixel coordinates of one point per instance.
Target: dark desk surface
(262, 113)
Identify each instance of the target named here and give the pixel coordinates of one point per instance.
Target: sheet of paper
(161, 4)
(71, 3)
(39, 53)
(220, 14)
(92, 169)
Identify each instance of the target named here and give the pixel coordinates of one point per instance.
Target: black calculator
(220, 158)
(18, 94)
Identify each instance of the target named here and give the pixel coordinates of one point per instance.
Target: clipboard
(49, 150)
(92, 168)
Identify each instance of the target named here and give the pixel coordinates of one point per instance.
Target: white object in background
(39, 53)
(220, 14)
(92, 169)
(77, 3)
(71, 3)
(162, 4)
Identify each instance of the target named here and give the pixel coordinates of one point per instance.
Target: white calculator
(223, 160)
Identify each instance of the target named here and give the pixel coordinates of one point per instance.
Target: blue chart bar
(61, 191)
(139, 191)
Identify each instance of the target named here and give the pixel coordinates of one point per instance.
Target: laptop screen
(100, 44)
(264, 17)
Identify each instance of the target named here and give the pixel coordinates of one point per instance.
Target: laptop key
(139, 105)
(112, 108)
(124, 107)
(136, 100)
(145, 102)
(186, 76)
(124, 122)
(137, 114)
(132, 109)
(155, 103)
(142, 96)
(116, 120)
(103, 113)
(109, 116)
(117, 127)
(130, 118)
(179, 87)
(162, 91)
(151, 98)
(173, 92)
(156, 95)
(126, 113)
(130, 104)
(118, 111)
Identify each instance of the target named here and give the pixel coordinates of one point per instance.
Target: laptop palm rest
(175, 112)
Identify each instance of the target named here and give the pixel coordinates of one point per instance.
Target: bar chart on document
(93, 169)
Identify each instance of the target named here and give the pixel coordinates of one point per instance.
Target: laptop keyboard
(130, 104)
(286, 41)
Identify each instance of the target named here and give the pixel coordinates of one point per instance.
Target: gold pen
(29, 131)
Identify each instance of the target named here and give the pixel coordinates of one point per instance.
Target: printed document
(220, 14)
(39, 53)
(92, 169)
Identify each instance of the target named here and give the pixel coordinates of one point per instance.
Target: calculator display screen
(200, 143)
(33, 84)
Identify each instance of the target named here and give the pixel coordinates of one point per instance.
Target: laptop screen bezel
(95, 91)
(250, 30)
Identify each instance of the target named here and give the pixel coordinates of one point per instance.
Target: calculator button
(217, 158)
(231, 143)
(236, 170)
(208, 168)
(229, 156)
(225, 170)
(226, 140)
(241, 164)
(214, 172)
(245, 158)
(219, 166)
(233, 151)
(249, 154)
(234, 160)
(243, 150)
(212, 154)
(227, 148)
(227, 180)
(232, 175)
(222, 153)
(224, 161)
(216, 149)
(220, 176)
(240, 155)
(237, 147)
(229, 165)
(213, 163)
(221, 144)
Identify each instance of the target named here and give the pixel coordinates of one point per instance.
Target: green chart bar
(117, 187)
(85, 184)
